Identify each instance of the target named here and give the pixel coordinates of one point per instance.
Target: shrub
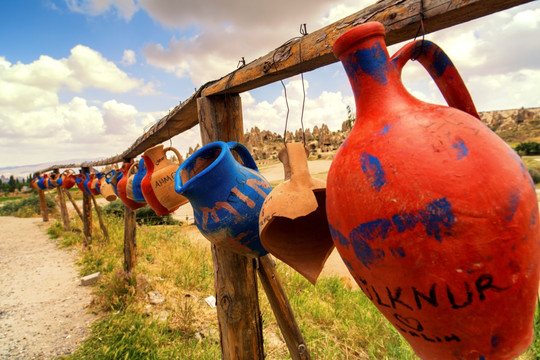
(26, 207)
(145, 215)
(528, 148)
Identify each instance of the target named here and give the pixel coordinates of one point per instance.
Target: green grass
(336, 323)
(26, 206)
(9, 198)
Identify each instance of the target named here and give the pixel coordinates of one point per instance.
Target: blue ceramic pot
(137, 179)
(226, 196)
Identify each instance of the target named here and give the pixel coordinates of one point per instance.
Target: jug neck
(374, 77)
(157, 157)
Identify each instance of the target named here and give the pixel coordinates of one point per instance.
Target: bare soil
(43, 309)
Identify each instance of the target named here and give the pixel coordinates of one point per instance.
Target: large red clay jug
(121, 188)
(434, 215)
(157, 186)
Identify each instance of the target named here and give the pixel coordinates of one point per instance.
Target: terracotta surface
(435, 216)
(292, 222)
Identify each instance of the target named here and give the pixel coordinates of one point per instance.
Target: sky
(83, 79)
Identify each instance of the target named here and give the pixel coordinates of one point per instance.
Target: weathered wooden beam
(75, 206)
(401, 19)
(282, 309)
(130, 240)
(63, 208)
(87, 215)
(235, 280)
(101, 223)
(43, 206)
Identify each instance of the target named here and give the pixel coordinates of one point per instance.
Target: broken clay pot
(292, 222)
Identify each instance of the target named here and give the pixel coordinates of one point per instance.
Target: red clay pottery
(435, 216)
(121, 189)
(226, 196)
(34, 182)
(292, 222)
(92, 184)
(68, 180)
(158, 184)
(130, 178)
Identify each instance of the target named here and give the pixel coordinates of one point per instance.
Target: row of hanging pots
(54, 179)
(434, 215)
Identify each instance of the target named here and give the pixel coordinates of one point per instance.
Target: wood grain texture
(401, 19)
(63, 208)
(130, 240)
(100, 219)
(282, 309)
(235, 281)
(43, 206)
(87, 219)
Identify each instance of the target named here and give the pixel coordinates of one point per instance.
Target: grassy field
(337, 323)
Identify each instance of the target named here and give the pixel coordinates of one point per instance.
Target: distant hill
(24, 170)
(514, 126)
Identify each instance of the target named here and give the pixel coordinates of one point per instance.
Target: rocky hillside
(513, 126)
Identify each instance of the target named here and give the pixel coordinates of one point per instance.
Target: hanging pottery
(158, 184)
(34, 182)
(292, 222)
(226, 196)
(68, 179)
(434, 215)
(56, 179)
(115, 178)
(79, 180)
(106, 187)
(121, 189)
(92, 184)
(137, 181)
(130, 181)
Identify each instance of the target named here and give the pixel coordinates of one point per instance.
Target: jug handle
(180, 159)
(441, 69)
(244, 154)
(133, 166)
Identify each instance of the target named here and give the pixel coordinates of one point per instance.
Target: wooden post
(101, 223)
(63, 208)
(87, 214)
(75, 206)
(130, 240)
(239, 317)
(43, 206)
(282, 309)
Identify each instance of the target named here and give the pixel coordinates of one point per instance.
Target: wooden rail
(401, 19)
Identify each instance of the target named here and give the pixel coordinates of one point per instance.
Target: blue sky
(81, 79)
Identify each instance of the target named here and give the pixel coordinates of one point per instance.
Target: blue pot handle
(244, 154)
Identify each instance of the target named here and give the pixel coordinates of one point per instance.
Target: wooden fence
(217, 107)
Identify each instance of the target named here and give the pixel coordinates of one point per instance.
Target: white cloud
(328, 108)
(230, 30)
(129, 57)
(124, 8)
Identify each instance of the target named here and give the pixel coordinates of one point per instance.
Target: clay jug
(137, 180)
(435, 216)
(68, 180)
(115, 178)
(41, 182)
(34, 182)
(48, 183)
(226, 196)
(92, 184)
(292, 222)
(106, 188)
(130, 181)
(121, 188)
(158, 184)
(56, 179)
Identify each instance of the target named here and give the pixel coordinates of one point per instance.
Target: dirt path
(42, 307)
